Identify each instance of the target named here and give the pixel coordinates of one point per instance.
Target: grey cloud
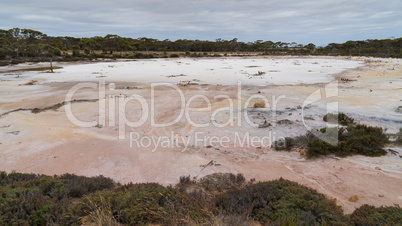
(318, 21)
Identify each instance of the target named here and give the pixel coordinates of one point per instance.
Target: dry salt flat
(228, 71)
(47, 142)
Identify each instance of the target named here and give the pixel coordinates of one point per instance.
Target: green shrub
(278, 201)
(340, 118)
(283, 144)
(52, 187)
(370, 215)
(353, 140)
(2, 54)
(57, 52)
(77, 186)
(174, 55)
(23, 206)
(136, 204)
(185, 180)
(76, 53)
(399, 136)
(222, 181)
(87, 51)
(363, 140)
(31, 199)
(16, 178)
(317, 148)
(139, 55)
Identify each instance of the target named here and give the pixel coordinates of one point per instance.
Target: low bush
(363, 140)
(14, 177)
(23, 206)
(318, 148)
(284, 144)
(57, 52)
(399, 136)
(185, 180)
(222, 181)
(217, 199)
(273, 202)
(15, 61)
(35, 202)
(370, 215)
(52, 187)
(78, 186)
(139, 55)
(353, 140)
(2, 54)
(136, 205)
(340, 118)
(76, 53)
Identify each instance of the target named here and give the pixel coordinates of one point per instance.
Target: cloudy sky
(317, 21)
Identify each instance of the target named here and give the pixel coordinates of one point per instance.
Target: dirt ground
(36, 136)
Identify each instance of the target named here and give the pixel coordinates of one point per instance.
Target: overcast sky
(317, 21)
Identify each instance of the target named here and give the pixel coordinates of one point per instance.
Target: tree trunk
(51, 65)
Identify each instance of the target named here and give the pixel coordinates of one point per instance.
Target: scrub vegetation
(218, 199)
(351, 140)
(343, 140)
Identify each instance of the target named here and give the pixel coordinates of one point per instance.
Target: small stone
(259, 104)
(380, 195)
(377, 168)
(301, 152)
(264, 125)
(353, 198)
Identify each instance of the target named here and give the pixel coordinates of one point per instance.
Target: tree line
(27, 43)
